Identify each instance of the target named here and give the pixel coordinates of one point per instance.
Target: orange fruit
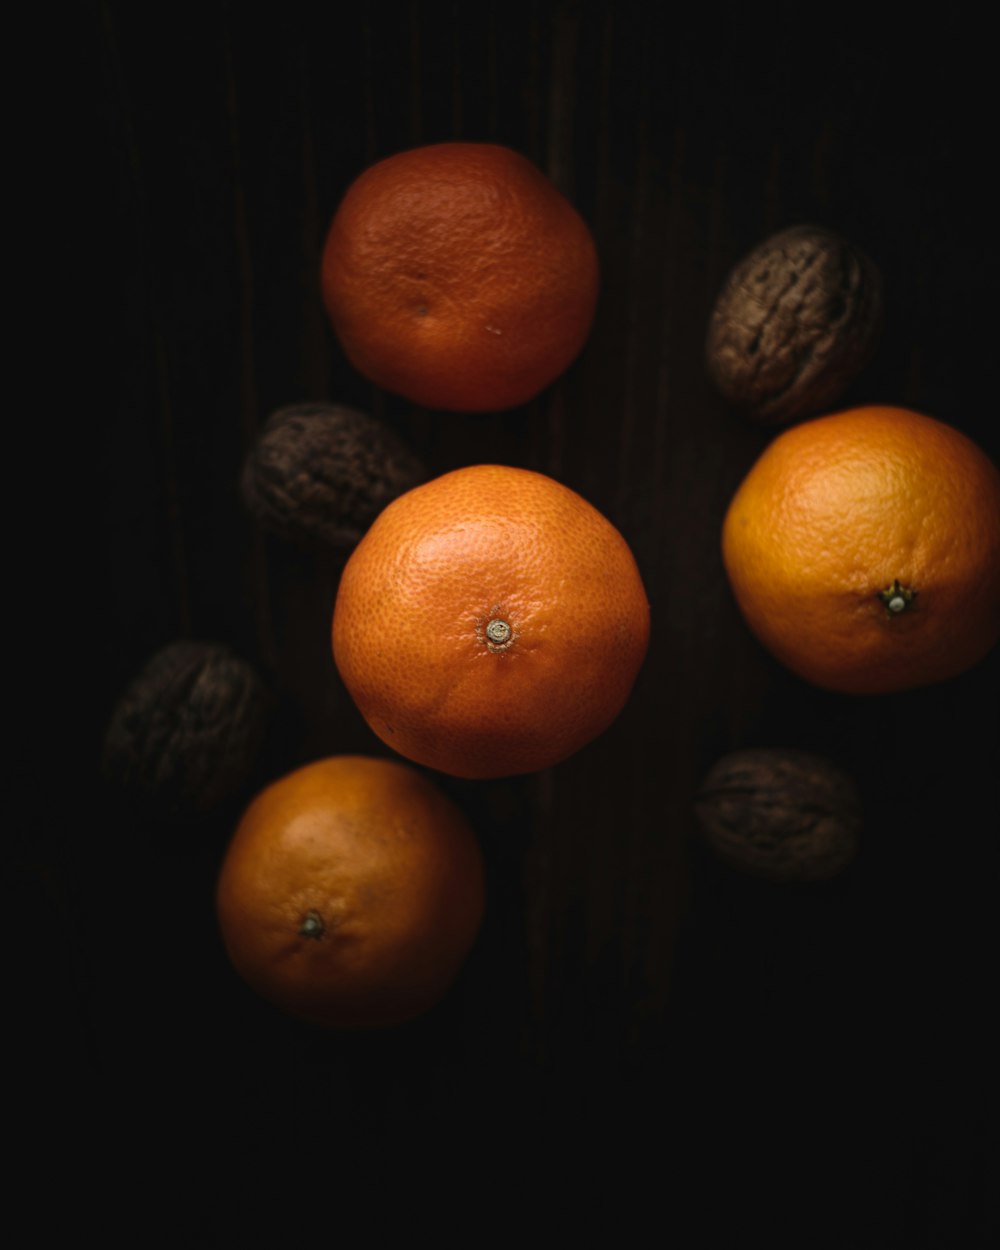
(863, 549)
(351, 892)
(490, 622)
(456, 275)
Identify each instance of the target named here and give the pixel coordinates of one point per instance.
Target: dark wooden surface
(640, 1033)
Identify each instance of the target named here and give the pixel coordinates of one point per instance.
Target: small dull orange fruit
(491, 622)
(863, 549)
(458, 276)
(351, 893)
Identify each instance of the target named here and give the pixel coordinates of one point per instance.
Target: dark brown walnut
(781, 814)
(186, 733)
(320, 473)
(794, 324)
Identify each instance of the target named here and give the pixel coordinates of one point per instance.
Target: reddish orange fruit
(457, 276)
(490, 622)
(351, 893)
(863, 549)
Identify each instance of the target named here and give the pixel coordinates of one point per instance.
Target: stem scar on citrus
(351, 893)
(490, 622)
(863, 549)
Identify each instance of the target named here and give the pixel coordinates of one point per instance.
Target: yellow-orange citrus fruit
(491, 622)
(457, 276)
(351, 893)
(863, 549)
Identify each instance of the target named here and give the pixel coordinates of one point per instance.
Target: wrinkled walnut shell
(320, 473)
(780, 814)
(794, 324)
(185, 734)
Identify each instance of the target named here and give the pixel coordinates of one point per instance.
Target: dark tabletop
(641, 1033)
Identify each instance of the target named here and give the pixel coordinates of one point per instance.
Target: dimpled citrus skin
(835, 511)
(381, 869)
(457, 276)
(412, 620)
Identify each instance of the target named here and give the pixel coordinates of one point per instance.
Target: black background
(640, 1034)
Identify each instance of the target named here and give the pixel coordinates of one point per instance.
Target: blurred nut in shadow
(319, 474)
(186, 733)
(794, 324)
(781, 814)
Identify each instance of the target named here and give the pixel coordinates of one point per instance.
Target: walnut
(781, 814)
(320, 473)
(186, 732)
(794, 324)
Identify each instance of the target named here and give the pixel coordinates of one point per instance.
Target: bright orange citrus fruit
(490, 622)
(457, 276)
(863, 549)
(351, 893)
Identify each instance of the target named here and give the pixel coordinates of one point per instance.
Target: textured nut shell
(320, 473)
(794, 324)
(781, 814)
(186, 732)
